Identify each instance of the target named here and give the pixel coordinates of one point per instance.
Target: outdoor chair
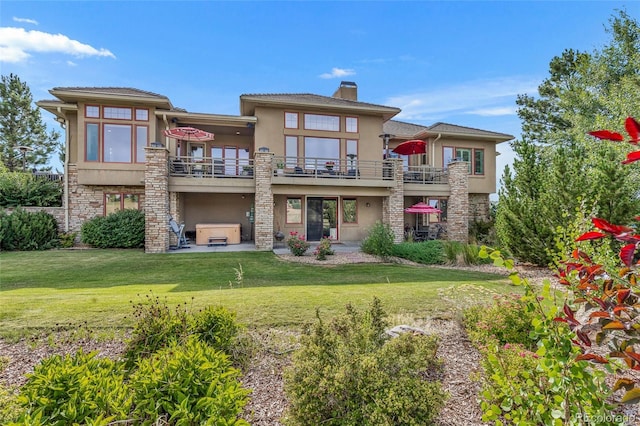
(179, 231)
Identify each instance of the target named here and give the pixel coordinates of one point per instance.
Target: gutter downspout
(433, 148)
(65, 188)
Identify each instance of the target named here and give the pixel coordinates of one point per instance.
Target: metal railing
(208, 167)
(321, 168)
(54, 177)
(425, 175)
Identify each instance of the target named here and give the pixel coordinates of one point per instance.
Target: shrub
(9, 408)
(188, 384)
(457, 253)
(297, 244)
(22, 230)
(158, 325)
(19, 189)
(426, 252)
(75, 389)
(121, 229)
(507, 321)
(348, 373)
(324, 249)
(67, 239)
(380, 241)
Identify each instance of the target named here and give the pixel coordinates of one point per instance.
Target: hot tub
(206, 230)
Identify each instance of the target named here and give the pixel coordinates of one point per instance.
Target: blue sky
(460, 62)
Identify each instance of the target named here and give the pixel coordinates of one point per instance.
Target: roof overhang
(210, 119)
(57, 108)
(76, 95)
(249, 103)
(497, 137)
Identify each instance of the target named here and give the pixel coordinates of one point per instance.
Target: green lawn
(68, 287)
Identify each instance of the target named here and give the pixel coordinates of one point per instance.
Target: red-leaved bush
(610, 299)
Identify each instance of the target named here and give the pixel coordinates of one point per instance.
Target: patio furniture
(178, 230)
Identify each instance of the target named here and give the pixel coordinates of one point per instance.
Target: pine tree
(24, 140)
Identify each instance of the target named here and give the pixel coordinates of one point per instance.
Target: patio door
(322, 218)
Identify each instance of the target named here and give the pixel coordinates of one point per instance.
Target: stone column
(393, 205)
(264, 201)
(156, 200)
(458, 205)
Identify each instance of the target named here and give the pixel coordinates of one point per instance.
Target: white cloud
(25, 20)
(338, 73)
(15, 43)
(72, 64)
(480, 97)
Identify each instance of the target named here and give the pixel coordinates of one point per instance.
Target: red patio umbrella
(189, 134)
(415, 146)
(422, 208)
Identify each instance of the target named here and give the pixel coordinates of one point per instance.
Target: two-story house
(316, 165)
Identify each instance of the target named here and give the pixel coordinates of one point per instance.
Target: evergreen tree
(23, 135)
(583, 92)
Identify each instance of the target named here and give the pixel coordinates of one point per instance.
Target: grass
(45, 290)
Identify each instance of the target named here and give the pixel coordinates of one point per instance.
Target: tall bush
(22, 230)
(19, 189)
(380, 240)
(121, 229)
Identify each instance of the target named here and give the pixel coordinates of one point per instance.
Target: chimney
(347, 90)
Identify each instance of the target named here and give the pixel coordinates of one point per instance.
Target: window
(322, 122)
(117, 143)
(324, 148)
(352, 124)
(92, 146)
(478, 161)
(141, 142)
(92, 111)
(352, 153)
(291, 120)
(474, 158)
(291, 150)
(464, 154)
(294, 210)
(117, 202)
(439, 203)
(349, 211)
(142, 114)
(117, 113)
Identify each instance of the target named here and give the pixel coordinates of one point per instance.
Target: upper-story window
(322, 122)
(473, 157)
(351, 124)
(117, 113)
(121, 142)
(92, 111)
(142, 114)
(291, 120)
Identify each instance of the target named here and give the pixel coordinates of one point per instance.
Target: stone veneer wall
(264, 201)
(393, 205)
(156, 206)
(458, 206)
(87, 202)
(479, 206)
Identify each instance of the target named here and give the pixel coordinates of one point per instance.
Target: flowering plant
(297, 244)
(323, 249)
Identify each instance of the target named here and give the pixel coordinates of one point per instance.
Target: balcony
(425, 175)
(207, 167)
(328, 171)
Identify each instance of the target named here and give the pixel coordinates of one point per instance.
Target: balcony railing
(321, 168)
(425, 175)
(208, 167)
